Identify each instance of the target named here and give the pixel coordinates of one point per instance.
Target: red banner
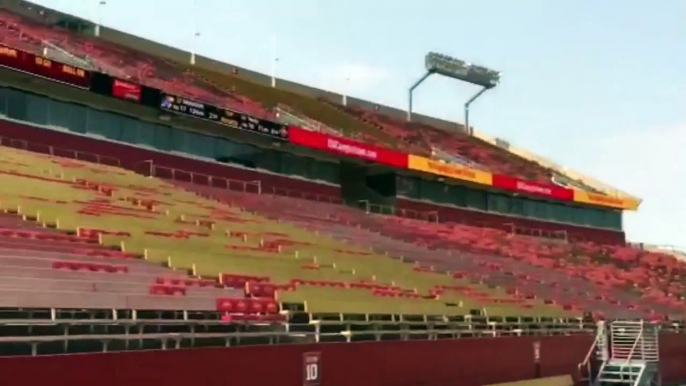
(533, 188)
(347, 147)
(126, 90)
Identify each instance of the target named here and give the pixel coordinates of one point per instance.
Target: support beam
(414, 86)
(466, 109)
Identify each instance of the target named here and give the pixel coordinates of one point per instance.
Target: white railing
(55, 52)
(276, 191)
(59, 151)
(150, 169)
(454, 159)
(369, 208)
(599, 347)
(134, 328)
(634, 341)
(286, 113)
(639, 375)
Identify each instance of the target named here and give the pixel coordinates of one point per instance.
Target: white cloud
(652, 165)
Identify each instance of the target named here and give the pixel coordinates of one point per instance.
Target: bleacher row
(528, 273)
(611, 280)
(230, 90)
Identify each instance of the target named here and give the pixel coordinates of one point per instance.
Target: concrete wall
(464, 362)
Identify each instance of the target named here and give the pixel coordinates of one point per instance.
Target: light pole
(195, 34)
(274, 60)
(100, 10)
(346, 91)
(466, 110)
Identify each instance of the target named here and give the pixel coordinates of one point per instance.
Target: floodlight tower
(457, 69)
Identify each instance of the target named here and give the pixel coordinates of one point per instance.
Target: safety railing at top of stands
(284, 113)
(150, 169)
(173, 340)
(59, 151)
(429, 216)
(301, 194)
(54, 50)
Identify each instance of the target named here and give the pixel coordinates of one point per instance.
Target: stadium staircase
(629, 352)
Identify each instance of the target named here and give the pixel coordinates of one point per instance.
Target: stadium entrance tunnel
(365, 185)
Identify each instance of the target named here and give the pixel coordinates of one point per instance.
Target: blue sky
(598, 86)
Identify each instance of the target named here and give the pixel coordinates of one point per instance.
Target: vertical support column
(466, 110)
(411, 91)
(602, 346)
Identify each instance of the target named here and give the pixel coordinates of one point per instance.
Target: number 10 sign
(312, 369)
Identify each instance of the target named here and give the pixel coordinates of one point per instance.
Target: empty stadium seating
(232, 91)
(179, 230)
(610, 280)
(122, 62)
(607, 303)
(475, 152)
(45, 268)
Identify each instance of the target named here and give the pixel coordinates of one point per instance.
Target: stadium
(175, 221)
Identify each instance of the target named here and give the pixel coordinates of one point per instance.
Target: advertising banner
(347, 147)
(126, 90)
(533, 188)
(457, 172)
(605, 200)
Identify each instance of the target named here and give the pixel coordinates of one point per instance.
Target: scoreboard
(233, 119)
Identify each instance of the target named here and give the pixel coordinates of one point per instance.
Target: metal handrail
(639, 337)
(36, 147)
(587, 359)
(428, 216)
(633, 347)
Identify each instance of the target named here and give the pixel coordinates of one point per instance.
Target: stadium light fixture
(457, 69)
